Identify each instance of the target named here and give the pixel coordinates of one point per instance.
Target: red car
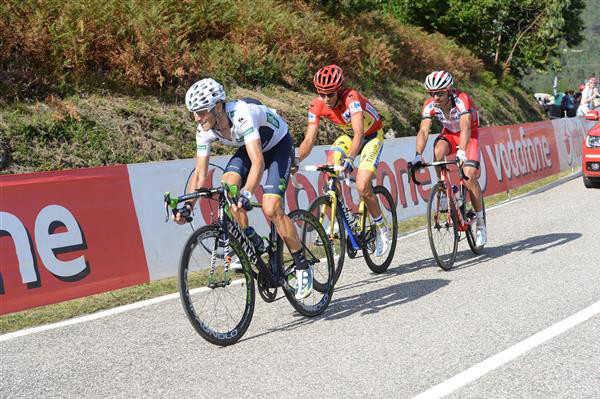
(591, 153)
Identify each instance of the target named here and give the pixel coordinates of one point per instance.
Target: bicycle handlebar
(331, 169)
(413, 168)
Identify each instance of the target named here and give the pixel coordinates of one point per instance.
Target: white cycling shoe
(382, 243)
(481, 236)
(305, 283)
(336, 232)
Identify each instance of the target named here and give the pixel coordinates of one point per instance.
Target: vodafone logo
(520, 156)
(48, 242)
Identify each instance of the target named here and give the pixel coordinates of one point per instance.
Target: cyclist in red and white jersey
(362, 134)
(460, 119)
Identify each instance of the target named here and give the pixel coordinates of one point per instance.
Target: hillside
(88, 83)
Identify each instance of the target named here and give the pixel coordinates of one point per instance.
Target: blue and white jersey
(250, 120)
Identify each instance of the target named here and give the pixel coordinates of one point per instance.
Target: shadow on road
(532, 244)
(365, 303)
(376, 300)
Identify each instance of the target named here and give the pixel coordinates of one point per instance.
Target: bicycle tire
(323, 286)
(438, 225)
(337, 245)
(368, 244)
(193, 271)
(465, 209)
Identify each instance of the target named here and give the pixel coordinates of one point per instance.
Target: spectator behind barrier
(589, 97)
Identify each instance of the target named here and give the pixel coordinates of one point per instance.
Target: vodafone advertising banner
(67, 234)
(75, 233)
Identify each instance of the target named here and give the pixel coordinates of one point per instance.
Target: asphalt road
(392, 335)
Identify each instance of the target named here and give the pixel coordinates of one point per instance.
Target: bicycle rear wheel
(468, 213)
(379, 264)
(441, 228)
(320, 259)
(321, 209)
(219, 305)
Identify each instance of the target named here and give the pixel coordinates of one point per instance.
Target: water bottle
(256, 240)
(458, 196)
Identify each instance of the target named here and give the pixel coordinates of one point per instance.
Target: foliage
(576, 64)
(509, 35)
(57, 47)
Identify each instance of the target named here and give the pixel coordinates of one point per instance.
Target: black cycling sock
(299, 260)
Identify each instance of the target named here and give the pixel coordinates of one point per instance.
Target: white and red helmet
(439, 80)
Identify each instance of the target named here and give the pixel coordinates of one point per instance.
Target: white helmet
(204, 95)
(438, 80)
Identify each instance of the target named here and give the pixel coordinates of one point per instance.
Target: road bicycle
(445, 224)
(220, 303)
(354, 231)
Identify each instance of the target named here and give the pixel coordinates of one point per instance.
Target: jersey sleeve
(203, 142)
(354, 102)
(428, 111)
(464, 104)
(314, 112)
(246, 123)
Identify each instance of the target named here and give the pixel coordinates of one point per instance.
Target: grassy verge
(78, 307)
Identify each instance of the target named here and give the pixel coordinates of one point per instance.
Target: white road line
(101, 314)
(492, 363)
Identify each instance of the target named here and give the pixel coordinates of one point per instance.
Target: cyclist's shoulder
(350, 95)
(204, 136)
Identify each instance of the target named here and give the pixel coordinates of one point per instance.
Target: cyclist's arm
(309, 141)
(199, 176)
(422, 135)
(258, 165)
(359, 134)
(465, 131)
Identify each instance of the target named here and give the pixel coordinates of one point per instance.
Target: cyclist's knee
(272, 207)
(363, 185)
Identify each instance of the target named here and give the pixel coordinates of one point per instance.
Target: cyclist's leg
(369, 160)
(278, 161)
(443, 146)
(471, 168)
(339, 150)
(236, 173)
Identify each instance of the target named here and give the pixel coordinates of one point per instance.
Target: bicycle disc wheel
(219, 305)
(442, 229)
(321, 209)
(469, 214)
(379, 264)
(320, 259)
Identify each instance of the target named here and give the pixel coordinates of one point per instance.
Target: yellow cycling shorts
(369, 153)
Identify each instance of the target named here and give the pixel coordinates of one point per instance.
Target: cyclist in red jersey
(363, 135)
(460, 119)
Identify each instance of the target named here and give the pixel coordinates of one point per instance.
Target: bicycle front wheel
(379, 263)
(321, 209)
(218, 304)
(441, 228)
(468, 213)
(316, 248)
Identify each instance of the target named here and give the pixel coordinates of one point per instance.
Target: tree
(509, 35)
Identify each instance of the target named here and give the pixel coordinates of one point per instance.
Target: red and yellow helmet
(329, 79)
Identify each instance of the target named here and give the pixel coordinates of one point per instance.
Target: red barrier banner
(517, 155)
(67, 234)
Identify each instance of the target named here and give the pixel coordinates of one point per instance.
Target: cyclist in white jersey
(264, 144)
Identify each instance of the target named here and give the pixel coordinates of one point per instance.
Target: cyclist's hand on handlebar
(461, 156)
(347, 165)
(243, 201)
(417, 160)
(183, 215)
(295, 165)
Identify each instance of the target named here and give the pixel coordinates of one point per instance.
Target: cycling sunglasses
(439, 93)
(328, 95)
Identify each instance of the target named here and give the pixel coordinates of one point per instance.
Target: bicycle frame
(462, 224)
(336, 202)
(230, 226)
